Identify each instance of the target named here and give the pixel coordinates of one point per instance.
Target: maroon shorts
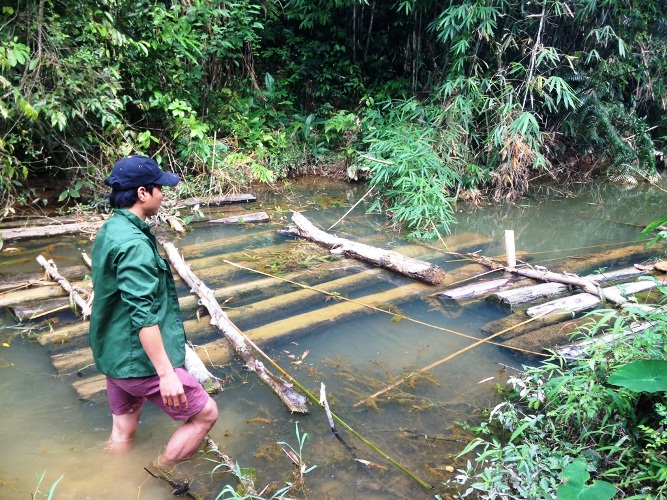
(127, 395)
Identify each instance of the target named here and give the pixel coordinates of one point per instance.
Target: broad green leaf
(649, 375)
(574, 485)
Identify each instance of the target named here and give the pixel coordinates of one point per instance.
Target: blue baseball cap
(136, 171)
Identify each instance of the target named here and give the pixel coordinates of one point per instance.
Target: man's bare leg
(123, 429)
(189, 436)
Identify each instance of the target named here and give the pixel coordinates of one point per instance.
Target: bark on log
(43, 231)
(74, 293)
(525, 294)
(219, 200)
(577, 350)
(583, 301)
(294, 400)
(243, 219)
(474, 290)
(420, 270)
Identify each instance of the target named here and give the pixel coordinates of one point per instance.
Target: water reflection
(45, 428)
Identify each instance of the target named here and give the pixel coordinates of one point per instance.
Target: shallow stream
(47, 432)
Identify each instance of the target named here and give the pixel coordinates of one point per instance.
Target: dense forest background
(427, 101)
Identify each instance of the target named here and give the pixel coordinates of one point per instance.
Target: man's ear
(141, 193)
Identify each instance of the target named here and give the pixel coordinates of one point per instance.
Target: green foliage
(511, 89)
(410, 163)
(49, 494)
(574, 485)
(648, 375)
(563, 422)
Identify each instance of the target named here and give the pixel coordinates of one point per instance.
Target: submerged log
(294, 400)
(242, 219)
(417, 269)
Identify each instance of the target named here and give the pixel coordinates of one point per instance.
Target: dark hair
(128, 197)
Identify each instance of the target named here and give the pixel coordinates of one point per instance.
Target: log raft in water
(416, 269)
(521, 295)
(583, 301)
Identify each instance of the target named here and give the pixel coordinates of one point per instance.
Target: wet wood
(293, 399)
(52, 230)
(243, 219)
(583, 301)
(475, 290)
(219, 200)
(76, 294)
(573, 351)
(525, 294)
(32, 311)
(413, 268)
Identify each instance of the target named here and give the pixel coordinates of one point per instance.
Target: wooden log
(74, 293)
(32, 311)
(219, 200)
(218, 352)
(474, 290)
(53, 230)
(573, 351)
(584, 301)
(416, 269)
(521, 295)
(293, 399)
(243, 219)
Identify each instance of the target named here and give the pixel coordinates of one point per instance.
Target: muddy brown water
(47, 432)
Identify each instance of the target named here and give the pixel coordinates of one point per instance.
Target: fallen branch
(407, 266)
(74, 292)
(246, 482)
(295, 402)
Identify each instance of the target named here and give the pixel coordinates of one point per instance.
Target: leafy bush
(559, 414)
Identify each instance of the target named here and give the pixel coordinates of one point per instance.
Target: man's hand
(171, 390)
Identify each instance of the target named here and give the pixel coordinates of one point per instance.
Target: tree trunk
(413, 268)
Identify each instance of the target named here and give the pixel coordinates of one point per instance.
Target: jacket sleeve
(138, 282)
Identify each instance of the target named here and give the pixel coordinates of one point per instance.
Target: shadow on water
(46, 429)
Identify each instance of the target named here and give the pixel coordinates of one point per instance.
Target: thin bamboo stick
(439, 362)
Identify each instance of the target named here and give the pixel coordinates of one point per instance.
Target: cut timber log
(583, 301)
(577, 350)
(43, 231)
(521, 295)
(416, 269)
(219, 200)
(294, 400)
(474, 290)
(243, 219)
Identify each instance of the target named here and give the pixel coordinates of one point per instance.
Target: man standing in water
(136, 332)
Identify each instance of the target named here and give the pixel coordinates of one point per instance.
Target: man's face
(153, 201)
